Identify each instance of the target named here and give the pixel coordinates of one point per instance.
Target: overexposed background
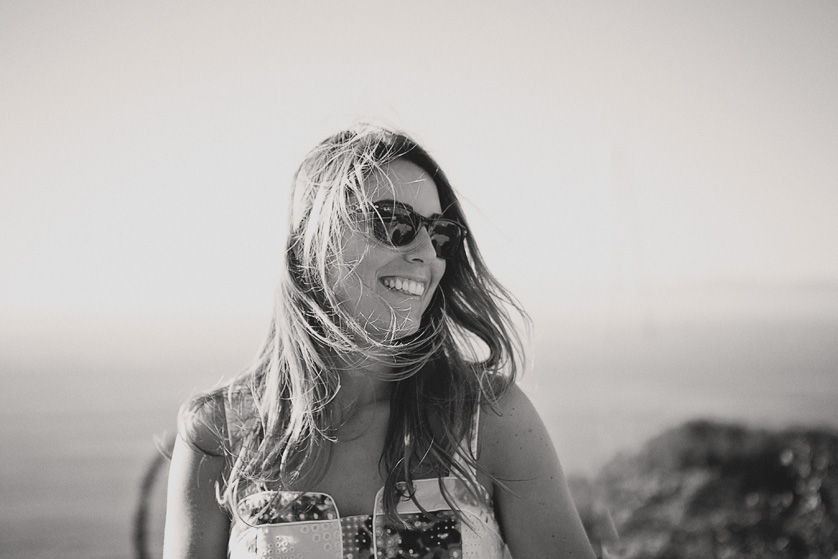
(657, 182)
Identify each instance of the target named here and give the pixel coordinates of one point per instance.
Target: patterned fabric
(271, 507)
(274, 524)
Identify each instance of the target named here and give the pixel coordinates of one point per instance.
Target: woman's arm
(196, 525)
(533, 503)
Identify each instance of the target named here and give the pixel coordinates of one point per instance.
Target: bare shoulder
(510, 434)
(196, 524)
(513, 405)
(202, 423)
(531, 497)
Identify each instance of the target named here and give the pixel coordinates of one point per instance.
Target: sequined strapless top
(270, 524)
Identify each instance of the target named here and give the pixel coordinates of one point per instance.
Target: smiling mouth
(404, 285)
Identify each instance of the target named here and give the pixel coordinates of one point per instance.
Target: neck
(363, 381)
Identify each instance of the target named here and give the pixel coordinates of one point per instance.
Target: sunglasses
(398, 225)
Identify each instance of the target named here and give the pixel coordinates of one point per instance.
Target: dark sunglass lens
(446, 237)
(400, 231)
(393, 227)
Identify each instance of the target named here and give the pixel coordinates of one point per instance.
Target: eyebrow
(407, 207)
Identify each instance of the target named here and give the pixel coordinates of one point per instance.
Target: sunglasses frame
(390, 208)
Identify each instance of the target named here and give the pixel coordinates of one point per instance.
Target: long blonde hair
(466, 351)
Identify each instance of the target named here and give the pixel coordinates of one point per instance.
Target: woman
(380, 418)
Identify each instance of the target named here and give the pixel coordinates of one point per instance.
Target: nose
(421, 249)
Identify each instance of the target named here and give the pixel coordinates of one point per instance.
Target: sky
(607, 152)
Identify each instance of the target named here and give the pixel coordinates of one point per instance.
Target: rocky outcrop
(711, 490)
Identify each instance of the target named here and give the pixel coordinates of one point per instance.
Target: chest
(353, 469)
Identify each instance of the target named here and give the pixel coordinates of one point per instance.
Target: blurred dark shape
(595, 514)
(712, 490)
(149, 514)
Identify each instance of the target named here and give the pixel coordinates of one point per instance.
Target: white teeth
(405, 285)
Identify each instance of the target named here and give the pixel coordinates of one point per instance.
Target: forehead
(407, 183)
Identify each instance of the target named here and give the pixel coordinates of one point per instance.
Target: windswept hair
(466, 352)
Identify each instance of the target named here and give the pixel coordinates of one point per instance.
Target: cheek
(354, 261)
(354, 281)
(439, 272)
(351, 288)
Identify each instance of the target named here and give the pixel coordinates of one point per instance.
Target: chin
(385, 331)
(413, 331)
(404, 328)
(404, 333)
(396, 329)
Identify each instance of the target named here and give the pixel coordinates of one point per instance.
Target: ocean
(81, 408)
